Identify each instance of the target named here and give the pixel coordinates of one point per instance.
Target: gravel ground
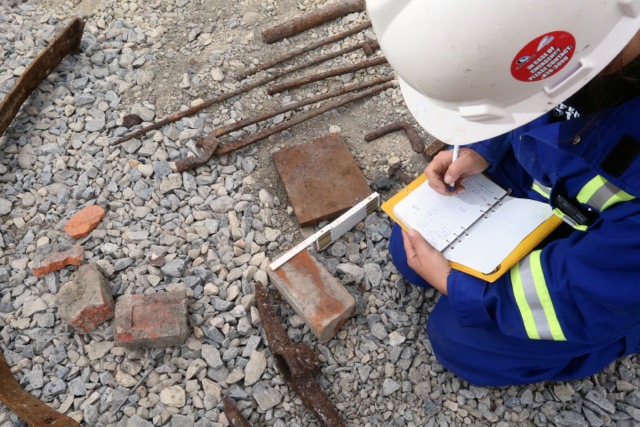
(217, 229)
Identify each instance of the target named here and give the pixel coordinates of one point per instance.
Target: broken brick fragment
(151, 320)
(86, 302)
(58, 260)
(84, 221)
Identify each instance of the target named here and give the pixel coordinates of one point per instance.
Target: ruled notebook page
(488, 242)
(441, 219)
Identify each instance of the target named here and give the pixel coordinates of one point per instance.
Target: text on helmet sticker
(544, 56)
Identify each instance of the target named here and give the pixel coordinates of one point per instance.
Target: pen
(456, 151)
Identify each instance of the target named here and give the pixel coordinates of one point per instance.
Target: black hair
(610, 89)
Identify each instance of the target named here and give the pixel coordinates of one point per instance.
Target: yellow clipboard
(523, 248)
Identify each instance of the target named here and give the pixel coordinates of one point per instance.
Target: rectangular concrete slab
(321, 178)
(317, 296)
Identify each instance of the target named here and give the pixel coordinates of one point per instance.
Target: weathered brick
(317, 296)
(85, 302)
(151, 320)
(84, 221)
(58, 260)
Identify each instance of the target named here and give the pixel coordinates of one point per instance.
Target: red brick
(84, 221)
(58, 260)
(86, 302)
(151, 320)
(317, 296)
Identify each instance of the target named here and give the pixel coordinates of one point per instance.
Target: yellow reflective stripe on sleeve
(541, 189)
(534, 301)
(600, 194)
(619, 197)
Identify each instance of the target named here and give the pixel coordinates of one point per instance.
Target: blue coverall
(572, 306)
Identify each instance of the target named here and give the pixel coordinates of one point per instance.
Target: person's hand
(441, 172)
(425, 260)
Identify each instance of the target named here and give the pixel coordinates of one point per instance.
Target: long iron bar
(310, 78)
(227, 148)
(311, 19)
(209, 144)
(68, 41)
(223, 130)
(308, 48)
(250, 86)
(30, 409)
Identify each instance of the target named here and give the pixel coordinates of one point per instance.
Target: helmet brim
(448, 126)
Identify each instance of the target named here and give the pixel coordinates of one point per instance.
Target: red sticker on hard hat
(544, 56)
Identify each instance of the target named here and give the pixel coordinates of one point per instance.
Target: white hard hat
(473, 69)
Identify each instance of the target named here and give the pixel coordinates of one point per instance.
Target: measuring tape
(332, 232)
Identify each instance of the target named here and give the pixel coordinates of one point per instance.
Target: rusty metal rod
(311, 19)
(234, 415)
(250, 86)
(31, 410)
(308, 48)
(365, 46)
(210, 143)
(208, 146)
(66, 42)
(417, 144)
(227, 148)
(190, 111)
(433, 149)
(223, 130)
(371, 47)
(397, 172)
(310, 78)
(298, 363)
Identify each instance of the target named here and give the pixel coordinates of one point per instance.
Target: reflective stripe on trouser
(533, 299)
(601, 194)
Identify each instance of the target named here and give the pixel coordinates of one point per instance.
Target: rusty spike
(311, 19)
(66, 42)
(233, 413)
(31, 410)
(298, 363)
